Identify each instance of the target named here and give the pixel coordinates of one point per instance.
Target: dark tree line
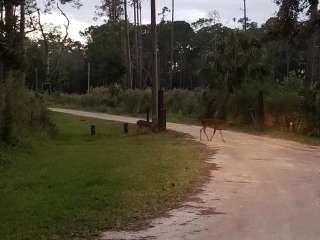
(201, 54)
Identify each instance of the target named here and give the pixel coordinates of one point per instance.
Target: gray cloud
(188, 10)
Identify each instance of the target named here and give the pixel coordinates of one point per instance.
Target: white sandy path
(265, 189)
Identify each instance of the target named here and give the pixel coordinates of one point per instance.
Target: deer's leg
(222, 136)
(201, 134)
(214, 133)
(205, 132)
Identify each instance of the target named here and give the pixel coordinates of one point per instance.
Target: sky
(188, 10)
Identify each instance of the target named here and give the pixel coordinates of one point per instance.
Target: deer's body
(215, 124)
(143, 124)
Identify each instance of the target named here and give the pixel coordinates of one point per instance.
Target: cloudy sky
(188, 10)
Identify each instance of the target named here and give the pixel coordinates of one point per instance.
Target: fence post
(126, 128)
(93, 130)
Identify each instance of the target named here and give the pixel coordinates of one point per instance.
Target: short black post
(148, 114)
(126, 128)
(93, 130)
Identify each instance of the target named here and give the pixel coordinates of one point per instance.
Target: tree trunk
(136, 49)
(172, 47)
(46, 54)
(312, 47)
(22, 40)
(9, 17)
(140, 47)
(113, 10)
(1, 11)
(128, 50)
(9, 40)
(155, 80)
(245, 14)
(1, 23)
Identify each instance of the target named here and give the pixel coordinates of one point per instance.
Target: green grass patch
(275, 133)
(73, 186)
(179, 118)
(305, 139)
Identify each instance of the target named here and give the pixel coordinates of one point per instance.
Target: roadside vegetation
(73, 186)
(22, 112)
(285, 111)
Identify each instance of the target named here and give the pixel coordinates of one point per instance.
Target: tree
(113, 9)
(105, 54)
(163, 13)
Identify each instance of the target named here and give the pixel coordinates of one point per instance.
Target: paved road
(265, 189)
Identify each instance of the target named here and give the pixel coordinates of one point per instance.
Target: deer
(143, 124)
(215, 124)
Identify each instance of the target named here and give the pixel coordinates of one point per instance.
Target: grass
(301, 138)
(179, 118)
(171, 117)
(73, 186)
(276, 133)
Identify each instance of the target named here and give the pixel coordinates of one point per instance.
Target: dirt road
(265, 189)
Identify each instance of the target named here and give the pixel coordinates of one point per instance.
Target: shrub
(183, 102)
(135, 101)
(20, 110)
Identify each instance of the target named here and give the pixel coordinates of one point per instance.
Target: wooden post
(126, 128)
(155, 80)
(93, 130)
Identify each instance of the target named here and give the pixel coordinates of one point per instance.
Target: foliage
(284, 103)
(105, 55)
(20, 110)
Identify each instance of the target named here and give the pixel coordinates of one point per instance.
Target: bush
(135, 101)
(20, 110)
(184, 102)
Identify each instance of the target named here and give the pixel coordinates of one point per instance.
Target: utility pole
(140, 47)
(155, 80)
(89, 76)
(136, 48)
(245, 14)
(128, 50)
(172, 46)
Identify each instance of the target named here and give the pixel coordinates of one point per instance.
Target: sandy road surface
(265, 189)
